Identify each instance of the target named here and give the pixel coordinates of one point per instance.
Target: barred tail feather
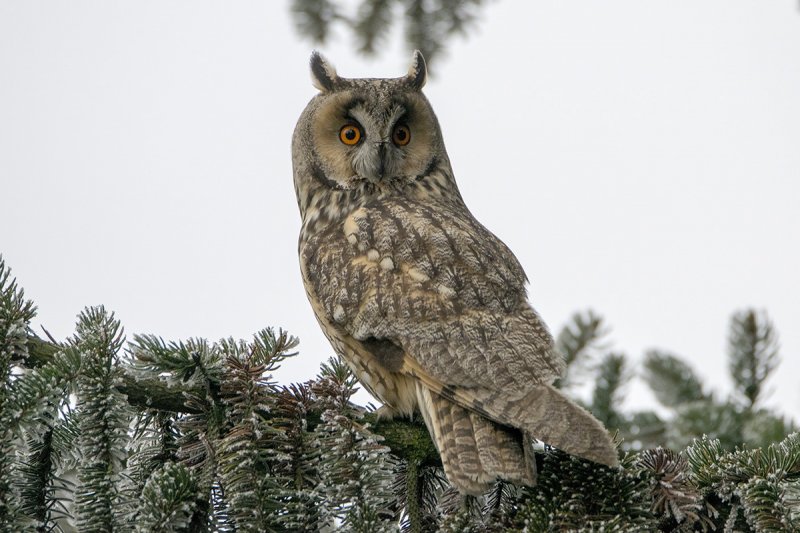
(475, 451)
(541, 412)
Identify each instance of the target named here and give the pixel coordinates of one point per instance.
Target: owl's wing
(434, 282)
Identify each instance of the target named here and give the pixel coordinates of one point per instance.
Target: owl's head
(366, 134)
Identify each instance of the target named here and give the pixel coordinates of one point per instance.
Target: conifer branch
(408, 439)
(104, 421)
(752, 353)
(428, 24)
(141, 392)
(168, 500)
(16, 312)
(576, 342)
(219, 445)
(607, 394)
(412, 500)
(673, 381)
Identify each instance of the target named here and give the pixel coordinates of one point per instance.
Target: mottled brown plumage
(425, 304)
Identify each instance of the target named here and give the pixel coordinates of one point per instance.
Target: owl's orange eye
(350, 134)
(401, 135)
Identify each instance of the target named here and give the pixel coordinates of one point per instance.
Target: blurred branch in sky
(752, 357)
(576, 342)
(692, 410)
(428, 25)
(753, 353)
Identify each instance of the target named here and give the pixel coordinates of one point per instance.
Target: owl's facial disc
(374, 131)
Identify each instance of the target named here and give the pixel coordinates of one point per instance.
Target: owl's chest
(383, 382)
(376, 266)
(346, 283)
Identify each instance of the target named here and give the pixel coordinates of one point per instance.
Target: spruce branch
(718, 420)
(752, 353)
(16, 312)
(104, 420)
(36, 471)
(313, 18)
(674, 496)
(645, 429)
(142, 391)
(221, 447)
(577, 341)
(762, 427)
(294, 458)
(44, 490)
(39, 393)
(673, 382)
(758, 482)
(407, 438)
(607, 394)
(412, 498)
(167, 500)
(428, 25)
(420, 28)
(246, 390)
(616, 499)
(372, 24)
(356, 470)
(417, 490)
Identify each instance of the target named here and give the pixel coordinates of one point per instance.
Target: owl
(426, 305)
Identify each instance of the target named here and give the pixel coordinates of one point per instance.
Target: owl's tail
(475, 451)
(551, 417)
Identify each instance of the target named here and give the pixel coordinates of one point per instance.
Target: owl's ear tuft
(417, 72)
(323, 75)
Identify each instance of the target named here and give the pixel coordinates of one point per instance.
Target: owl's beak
(381, 158)
(374, 162)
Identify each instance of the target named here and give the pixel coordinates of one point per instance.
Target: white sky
(641, 158)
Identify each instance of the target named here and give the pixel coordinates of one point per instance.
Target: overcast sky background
(641, 158)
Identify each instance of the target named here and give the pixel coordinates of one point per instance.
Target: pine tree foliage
(749, 488)
(675, 497)
(248, 393)
(428, 24)
(50, 429)
(583, 343)
(753, 356)
(579, 338)
(356, 470)
(193, 368)
(167, 500)
(294, 458)
(419, 489)
(612, 374)
(753, 353)
(564, 501)
(15, 315)
(204, 439)
(694, 411)
(672, 381)
(313, 18)
(704, 489)
(43, 487)
(103, 422)
(156, 439)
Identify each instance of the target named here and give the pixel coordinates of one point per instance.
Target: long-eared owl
(426, 305)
